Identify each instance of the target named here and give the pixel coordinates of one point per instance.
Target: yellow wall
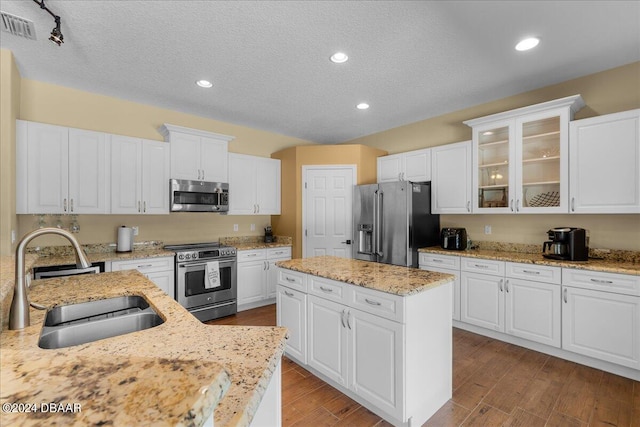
(606, 92)
(290, 222)
(9, 105)
(47, 103)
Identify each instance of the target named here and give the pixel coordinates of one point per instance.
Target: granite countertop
(153, 377)
(138, 253)
(387, 278)
(260, 245)
(624, 265)
(245, 243)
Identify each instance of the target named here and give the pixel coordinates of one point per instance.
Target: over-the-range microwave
(198, 196)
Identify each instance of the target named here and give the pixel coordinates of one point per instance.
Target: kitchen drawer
(328, 289)
(284, 252)
(537, 273)
(252, 255)
(292, 279)
(144, 265)
(484, 266)
(441, 261)
(608, 282)
(378, 303)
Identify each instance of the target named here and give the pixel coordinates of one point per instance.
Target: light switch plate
(235, 227)
(135, 230)
(487, 229)
(253, 227)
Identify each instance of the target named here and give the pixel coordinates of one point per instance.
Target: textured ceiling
(269, 60)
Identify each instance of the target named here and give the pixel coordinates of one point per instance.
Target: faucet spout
(19, 314)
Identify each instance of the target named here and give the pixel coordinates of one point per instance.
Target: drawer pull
(481, 265)
(251, 255)
(287, 293)
(145, 266)
(604, 282)
(289, 279)
(329, 290)
(530, 272)
(372, 302)
(436, 260)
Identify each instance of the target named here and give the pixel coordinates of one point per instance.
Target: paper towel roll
(125, 239)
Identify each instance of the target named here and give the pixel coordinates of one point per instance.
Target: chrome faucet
(19, 313)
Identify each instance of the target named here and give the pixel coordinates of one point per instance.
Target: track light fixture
(56, 34)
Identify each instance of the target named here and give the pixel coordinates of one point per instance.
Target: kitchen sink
(75, 324)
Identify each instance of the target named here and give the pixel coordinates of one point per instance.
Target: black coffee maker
(268, 235)
(566, 243)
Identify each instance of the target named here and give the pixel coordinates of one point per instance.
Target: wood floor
(494, 383)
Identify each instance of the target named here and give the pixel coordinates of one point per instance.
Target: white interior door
(327, 210)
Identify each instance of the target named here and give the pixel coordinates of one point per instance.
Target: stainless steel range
(196, 263)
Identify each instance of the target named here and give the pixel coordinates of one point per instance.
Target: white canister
(125, 239)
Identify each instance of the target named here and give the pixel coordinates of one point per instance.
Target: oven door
(190, 284)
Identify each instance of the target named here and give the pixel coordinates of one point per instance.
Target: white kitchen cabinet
(444, 264)
(601, 316)
(197, 155)
(61, 170)
(451, 178)
(139, 176)
(604, 155)
(482, 300)
(254, 185)
(412, 166)
(521, 158)
(291, 313)
(159, 270)
(390, 353)
(257, 276)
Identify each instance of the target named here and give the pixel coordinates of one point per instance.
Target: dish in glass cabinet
(548, 199)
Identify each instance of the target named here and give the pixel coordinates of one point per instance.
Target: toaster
(453, 239)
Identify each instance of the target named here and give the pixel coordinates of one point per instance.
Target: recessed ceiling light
(362, 106)
(527, 44)
(204, 83)
(339, 57)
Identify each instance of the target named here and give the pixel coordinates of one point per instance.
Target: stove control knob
(187, 256)
(225, 252)
(194, 255)
(181, 256)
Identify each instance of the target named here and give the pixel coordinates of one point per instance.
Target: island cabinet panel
(391, 353)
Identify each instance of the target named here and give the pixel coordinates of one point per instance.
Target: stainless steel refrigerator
(392, 220)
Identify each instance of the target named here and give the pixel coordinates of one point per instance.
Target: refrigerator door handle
(378, 225)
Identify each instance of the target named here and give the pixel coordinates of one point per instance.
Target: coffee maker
(566, 243)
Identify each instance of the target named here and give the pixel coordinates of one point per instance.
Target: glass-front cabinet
(520, 157)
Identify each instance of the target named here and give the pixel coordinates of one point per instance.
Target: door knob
(347, 242)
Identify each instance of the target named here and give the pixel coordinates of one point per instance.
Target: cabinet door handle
(530, 272)
(342, 319)
(603, 282)
(468, 205)
(518, 205)
(71, 205)
(511, 205)
(573, 204)
(203, 174)
(500, 285)
(565, 295)
(372, 302)
(481, 265)
(328, 290)
(287, 293)
(506, 285)
(258, 207)
(64, 204)
(138, 205)
(144, 204)
(348, 322)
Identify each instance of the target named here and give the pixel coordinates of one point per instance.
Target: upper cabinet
(197, 155)
(61, 170)
(412, 166)
(451, 178)
(254, 185)
(605, 164)
(139, 176)
(521, 158)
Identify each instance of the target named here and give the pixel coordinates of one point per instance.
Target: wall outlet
(253, 227)
(487, 229)
(235, 227)
(13, 236)
(135, 230)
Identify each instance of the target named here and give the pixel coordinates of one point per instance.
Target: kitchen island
(172, 374)
(380, 334)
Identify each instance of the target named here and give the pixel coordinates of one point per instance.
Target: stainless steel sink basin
(75, 324)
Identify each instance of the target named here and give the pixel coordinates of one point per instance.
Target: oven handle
(209, 307)
(202, 264)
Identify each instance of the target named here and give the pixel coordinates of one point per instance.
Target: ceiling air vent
(18, 26)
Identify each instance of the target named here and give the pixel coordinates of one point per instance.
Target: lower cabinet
(445, 264)
(390, 353)
(159, 270)
(257, 276)
(601, 316)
